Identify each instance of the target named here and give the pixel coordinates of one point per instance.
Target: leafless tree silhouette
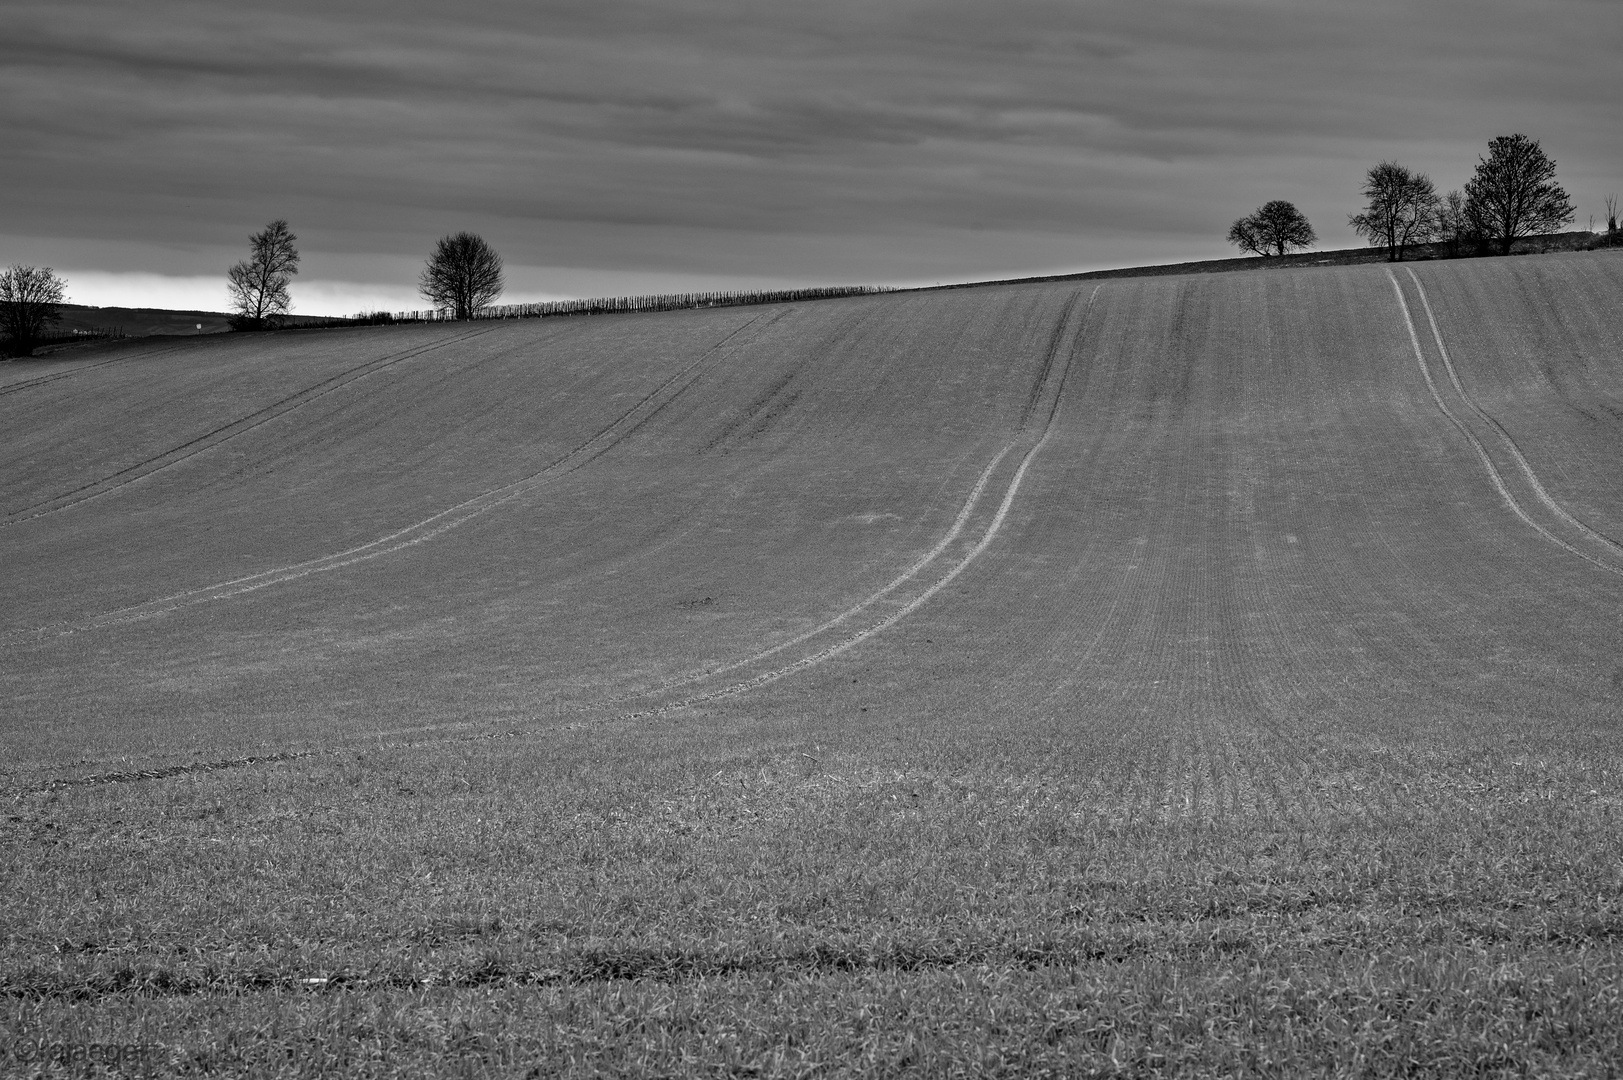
(1275, 228)
(462, 276)
(28, 299)
(1514, 187)
(1458, 226)
(259, 283)
(1402, 209)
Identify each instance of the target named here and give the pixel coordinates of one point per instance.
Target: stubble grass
(665, 903)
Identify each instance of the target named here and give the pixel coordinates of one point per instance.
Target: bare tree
(1515, 189)
(462, 276)
(1275, 228)
(1402, 209)
(1459, 225)
(1611, 215)
(259, 283)
(29, 296)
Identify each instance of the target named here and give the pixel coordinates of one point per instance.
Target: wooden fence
(660, 302)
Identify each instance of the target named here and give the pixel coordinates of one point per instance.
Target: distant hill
(139, 322)
(81, 319)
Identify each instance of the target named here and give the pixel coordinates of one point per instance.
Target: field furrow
(1242, 644)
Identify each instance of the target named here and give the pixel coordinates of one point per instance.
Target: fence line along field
(1178, 675)
(606, 305)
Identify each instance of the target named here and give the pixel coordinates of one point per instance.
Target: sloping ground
(1240, 624)
(1251, 503)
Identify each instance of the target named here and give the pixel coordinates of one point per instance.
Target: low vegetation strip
(656, 302)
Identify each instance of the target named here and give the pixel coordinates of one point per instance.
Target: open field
(1182, 675)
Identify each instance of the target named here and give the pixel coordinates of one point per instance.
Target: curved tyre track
(1509, 443)
(1046, 389)
(224, 433)
(604, 440)
(41, 380)
(1494, 474)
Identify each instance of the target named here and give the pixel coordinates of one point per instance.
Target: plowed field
(1166, 675)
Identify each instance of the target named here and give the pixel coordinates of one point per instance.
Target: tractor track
(1208, 673)
(1510, 444)
(627, 424)
(223, 433)
(1038, 438)
(1498, 479)
(686, 378)
(41, 380)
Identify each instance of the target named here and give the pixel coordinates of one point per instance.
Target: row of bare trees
(1512, 194)
(463, 274)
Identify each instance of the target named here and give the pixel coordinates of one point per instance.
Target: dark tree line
(1512, 194)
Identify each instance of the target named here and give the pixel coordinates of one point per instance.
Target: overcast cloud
(614, 147)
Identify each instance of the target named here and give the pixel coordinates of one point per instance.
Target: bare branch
(258, 284)
(29, 296)
(462, 276)
(1515, 191)
(1275, 228)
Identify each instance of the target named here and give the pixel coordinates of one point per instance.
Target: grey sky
(628, 146)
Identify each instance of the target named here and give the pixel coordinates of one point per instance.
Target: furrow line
(1049, 354)
(225, 433)
(1481, 451)
(1511, 446)
(964, 514)
(847, 643)
(605, 439)
(192, 769)
(946, 541)
(610, 437)
(878, 627)
(28, 384)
